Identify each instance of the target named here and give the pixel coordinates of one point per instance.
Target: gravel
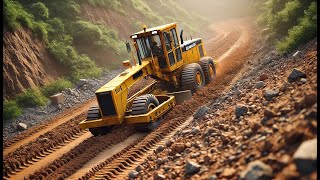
(83, 91)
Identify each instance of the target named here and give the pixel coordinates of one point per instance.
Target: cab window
(145, 45)
(167, 41)
(175, 38)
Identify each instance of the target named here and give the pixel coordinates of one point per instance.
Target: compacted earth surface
(264, 127)
(256, 120)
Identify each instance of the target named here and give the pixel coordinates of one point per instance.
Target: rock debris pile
(264, 128)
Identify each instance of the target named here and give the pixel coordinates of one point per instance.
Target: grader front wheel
(142, 105)
(192, 77)
(94, 114)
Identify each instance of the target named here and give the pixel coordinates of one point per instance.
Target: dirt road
(61, 150)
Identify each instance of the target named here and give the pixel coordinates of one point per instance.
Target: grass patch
(31, 98)
(56, 87)
(11, 110)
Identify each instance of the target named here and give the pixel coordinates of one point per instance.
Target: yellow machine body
(112, 98)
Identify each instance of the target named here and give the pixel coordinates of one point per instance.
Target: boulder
(133, 174)
(241, 110)
(57, 98)
(159, 161)
(159, 149)
(257, 170)
(192, 167)
(263, 77)
(270, 94)
(296, 74)
(259, 85)
(22, 127)
(195, 130)
(305, 157)
(201, 111)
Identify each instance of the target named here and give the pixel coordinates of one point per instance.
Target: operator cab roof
(158, 28)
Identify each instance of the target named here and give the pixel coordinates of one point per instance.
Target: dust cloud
(219, 9)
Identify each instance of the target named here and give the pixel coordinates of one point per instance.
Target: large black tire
(192, 77)
(93, 114)
(143, 104)
(209, 70)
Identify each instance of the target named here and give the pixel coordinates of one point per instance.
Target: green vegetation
(40, 11)
(10, 110)
(56, 87)
(291, 21)
(97, 35)
(31, 98)
(53, 22)
(303, 32)
(77, 42)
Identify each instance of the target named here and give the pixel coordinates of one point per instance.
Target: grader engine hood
(112, 97)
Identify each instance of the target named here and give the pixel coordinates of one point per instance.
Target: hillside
(75, 40)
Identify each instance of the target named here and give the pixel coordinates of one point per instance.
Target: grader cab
(164, 57)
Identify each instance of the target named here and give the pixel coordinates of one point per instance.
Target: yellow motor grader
(162, 55)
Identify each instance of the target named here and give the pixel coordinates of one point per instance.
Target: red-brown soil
(26, 63)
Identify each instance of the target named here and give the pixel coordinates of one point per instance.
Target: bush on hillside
(40, 11)
(302, 33)
(31, 98)
(10, 110)
(15, 15)
(56, 87)
(81, 66)
(97, 35)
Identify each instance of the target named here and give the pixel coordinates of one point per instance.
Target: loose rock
(305, 157)
(192, 168)
(195, 130)
(159, 149)
(269, 113)
(269, 94)
(158, 176)
(296, 74)
(228, 172)
(257, 170)
(133, 174)
(22, 127)
(201, 111)
(241, 110)
(259, 85)
(263, 77)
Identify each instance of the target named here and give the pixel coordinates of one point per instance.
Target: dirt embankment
(26, 63)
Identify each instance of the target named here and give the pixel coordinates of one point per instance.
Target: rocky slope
(264, 127)
(27, 64)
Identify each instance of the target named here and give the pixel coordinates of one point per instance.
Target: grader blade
(181, 96)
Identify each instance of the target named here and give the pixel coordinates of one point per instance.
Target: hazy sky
(217, 9)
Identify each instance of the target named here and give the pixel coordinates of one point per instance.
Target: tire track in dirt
(33, 133)
(73, 160)
(104, 155)
(118, 165)
(50, 158)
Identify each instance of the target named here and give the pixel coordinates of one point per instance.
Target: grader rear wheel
(192, 77)
(142, 105)
(209, 70)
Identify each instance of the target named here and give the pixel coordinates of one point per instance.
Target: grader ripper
(162, 56)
